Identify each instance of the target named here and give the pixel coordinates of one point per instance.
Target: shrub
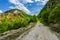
(44, 17)
(3, 27)
(33, 19)
(54, 16)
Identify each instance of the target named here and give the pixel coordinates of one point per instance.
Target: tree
(54, 16)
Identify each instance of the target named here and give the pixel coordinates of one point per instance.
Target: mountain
(49, 6)
(45, 12)
(13, 19)
(17, 11)
(50, 15)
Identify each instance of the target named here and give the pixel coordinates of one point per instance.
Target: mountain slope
(50, 15)
(49, 6)
(43, 15)
(13, 19)
(54, 16)
(21, 12)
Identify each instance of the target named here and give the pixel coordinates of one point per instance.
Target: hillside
(47, 9)
(50, 14)
(13, 19)
(49, 6)
(19, 11)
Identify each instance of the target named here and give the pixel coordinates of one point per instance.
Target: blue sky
(31, 7)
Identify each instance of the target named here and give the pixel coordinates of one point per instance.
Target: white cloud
(37, 0)
(27, 1)
(14, 1)
(19, 5)
(43, 2)
(1, 11)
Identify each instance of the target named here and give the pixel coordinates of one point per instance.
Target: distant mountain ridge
(15, 12)
(12, 11)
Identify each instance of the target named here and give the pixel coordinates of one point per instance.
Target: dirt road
(39, 32)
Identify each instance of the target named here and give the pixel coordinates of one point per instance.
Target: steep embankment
(45, 12)
(49, 6)
(50, 15)
(39, 32)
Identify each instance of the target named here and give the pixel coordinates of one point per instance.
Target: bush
(33, 19)
(14, 23)
(3, 27)
(44, 17)
(54, 16)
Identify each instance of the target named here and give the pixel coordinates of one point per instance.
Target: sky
(32, 7)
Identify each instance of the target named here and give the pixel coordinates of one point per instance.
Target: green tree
(54, 16)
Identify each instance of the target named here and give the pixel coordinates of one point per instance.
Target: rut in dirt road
(39, 32)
